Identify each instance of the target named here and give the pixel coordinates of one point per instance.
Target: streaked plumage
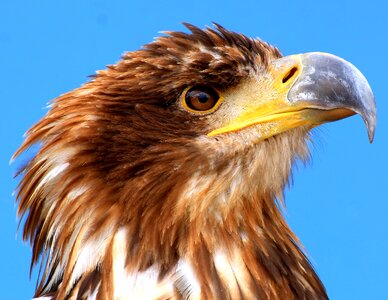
(129, 197)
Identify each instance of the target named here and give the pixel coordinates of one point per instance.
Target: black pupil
(202, 97)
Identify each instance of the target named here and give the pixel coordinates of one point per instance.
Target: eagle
(163, 177)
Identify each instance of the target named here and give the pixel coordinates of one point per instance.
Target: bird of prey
(163, 177)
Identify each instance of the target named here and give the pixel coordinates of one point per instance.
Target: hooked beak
(311, 89)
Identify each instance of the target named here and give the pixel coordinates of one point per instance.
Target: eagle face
(161, 177)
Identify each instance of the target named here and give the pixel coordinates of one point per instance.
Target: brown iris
(201, 98)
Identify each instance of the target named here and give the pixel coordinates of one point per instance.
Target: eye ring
(200, 99)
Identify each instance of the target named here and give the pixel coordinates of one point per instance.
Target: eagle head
(161, 178)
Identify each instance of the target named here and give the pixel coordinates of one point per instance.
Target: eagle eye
(201, 99)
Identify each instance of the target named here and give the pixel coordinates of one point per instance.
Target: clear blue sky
(338, 204)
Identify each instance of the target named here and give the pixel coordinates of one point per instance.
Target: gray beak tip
(330, 82)
(371, 126)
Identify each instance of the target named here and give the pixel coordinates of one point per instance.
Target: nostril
(289, 74)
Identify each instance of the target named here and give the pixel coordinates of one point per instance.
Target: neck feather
(186, 228)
